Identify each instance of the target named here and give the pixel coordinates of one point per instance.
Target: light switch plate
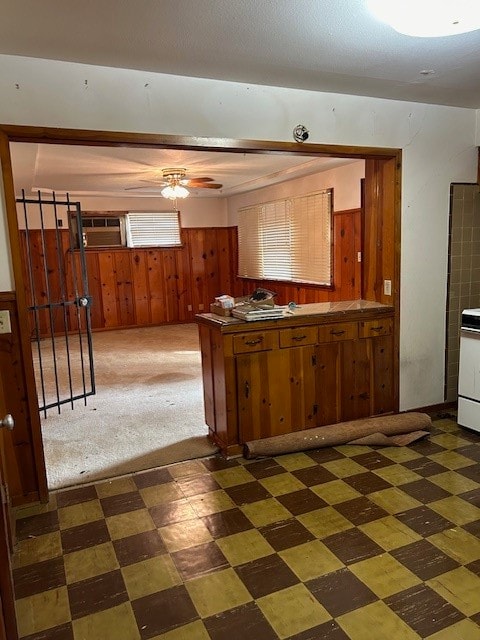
(5, 326)
(387, 287)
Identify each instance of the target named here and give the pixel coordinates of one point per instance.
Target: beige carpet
(147, 412)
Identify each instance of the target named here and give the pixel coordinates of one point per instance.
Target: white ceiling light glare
(172, 192)
(428, 18)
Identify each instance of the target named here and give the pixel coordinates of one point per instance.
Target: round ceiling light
(428, 18)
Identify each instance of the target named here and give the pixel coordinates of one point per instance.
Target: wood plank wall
(141, 287)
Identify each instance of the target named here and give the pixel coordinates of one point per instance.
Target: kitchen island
(319, 364)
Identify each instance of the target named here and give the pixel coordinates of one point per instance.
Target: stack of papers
(251, 312)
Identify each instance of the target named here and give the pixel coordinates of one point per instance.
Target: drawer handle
(252, 343)
(247, 389)
(298, 338)
(376, 328)
(337, 333)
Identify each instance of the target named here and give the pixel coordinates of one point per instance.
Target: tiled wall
(463, 272)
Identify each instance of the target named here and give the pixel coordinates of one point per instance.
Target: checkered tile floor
(346, 542)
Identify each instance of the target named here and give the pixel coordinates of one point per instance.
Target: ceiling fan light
(172, 192)
(428, 18)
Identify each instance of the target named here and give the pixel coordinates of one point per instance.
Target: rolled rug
(392, 430)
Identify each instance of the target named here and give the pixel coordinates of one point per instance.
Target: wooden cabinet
(287, 376)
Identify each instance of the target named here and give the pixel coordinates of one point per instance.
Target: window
(160, 229)
(287, 239)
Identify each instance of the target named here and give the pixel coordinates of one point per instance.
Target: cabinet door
(327, 385)
(355, 379)
(276, 392)
(382, 374)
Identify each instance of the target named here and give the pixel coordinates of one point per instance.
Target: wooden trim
(436, 408)
(8, 296)
(21, 303)
(53, 135)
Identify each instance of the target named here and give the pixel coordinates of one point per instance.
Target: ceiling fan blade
(211, 185)
(153, 186)
(199, 179)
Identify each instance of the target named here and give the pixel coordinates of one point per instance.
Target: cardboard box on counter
(219, 310)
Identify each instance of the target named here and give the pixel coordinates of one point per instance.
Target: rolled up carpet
(392, 430)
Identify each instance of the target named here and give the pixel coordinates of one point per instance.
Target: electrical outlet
(200, 307)
(387, 287)
(5, 326)
(190, 308)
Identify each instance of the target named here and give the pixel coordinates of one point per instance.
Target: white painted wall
(438, 147)
(345, 182)
(195, 212)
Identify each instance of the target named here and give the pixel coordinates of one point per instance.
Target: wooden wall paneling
(157, 286)
(39, 281)
(372, 279)
(389, 233)
(224, 261)
(358, 270)
(345, 257)
(140, 287)
(237, 283)
(95, 290)
(197, 268)
(171, 291)
(381, 228)
(184, 288)
(106, 264)
(213, 275)
(124, 289)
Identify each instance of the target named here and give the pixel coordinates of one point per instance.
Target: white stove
(469, 371)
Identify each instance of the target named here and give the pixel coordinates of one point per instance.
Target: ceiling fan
(175, 182)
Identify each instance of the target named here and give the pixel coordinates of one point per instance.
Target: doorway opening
(200, 293)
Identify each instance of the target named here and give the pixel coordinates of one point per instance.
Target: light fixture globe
(172, 192)
(428, 18)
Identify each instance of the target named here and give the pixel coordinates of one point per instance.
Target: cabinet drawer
(298, 337)
(337, 332)
(372, 328)
(260, 341)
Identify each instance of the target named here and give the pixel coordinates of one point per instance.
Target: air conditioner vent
(102, 237)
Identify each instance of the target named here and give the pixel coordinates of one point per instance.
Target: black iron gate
(58, 298)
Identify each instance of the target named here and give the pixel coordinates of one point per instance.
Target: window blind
(287, 239)
(160, 229)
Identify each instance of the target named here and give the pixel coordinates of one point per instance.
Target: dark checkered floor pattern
(338, 543)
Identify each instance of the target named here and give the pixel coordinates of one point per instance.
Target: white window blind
(161, 229)
(287, 239)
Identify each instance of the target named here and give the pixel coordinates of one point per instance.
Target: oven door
(469, 367)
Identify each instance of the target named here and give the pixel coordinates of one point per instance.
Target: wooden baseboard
(436, 410)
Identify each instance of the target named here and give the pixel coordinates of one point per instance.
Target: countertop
(312, 313)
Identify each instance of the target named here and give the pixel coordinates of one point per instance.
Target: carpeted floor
(147, 412)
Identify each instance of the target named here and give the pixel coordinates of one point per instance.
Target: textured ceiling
(116, 171)
(323, 45)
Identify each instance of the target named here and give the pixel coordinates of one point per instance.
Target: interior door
(8, 625)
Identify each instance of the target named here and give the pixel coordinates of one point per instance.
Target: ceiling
(322, 45)
(125, 171)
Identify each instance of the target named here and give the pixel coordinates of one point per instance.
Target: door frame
(385, 165)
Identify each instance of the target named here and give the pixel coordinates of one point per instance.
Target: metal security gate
(55, 273)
